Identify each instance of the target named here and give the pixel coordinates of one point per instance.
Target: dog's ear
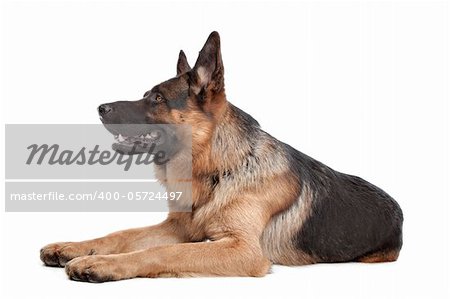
(182, 64)
(208, 70)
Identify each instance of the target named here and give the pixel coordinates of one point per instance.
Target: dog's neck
(230, 142)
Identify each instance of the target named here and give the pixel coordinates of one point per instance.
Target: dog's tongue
(131, 148)
(121, 148)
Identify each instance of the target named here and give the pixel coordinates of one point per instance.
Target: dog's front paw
(99, 268)
(58, 254)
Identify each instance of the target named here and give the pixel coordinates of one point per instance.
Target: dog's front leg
(226, 257)
(167, 232)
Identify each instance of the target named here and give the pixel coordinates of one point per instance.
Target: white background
(359, 85)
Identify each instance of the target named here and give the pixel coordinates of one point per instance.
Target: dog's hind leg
(167, 232)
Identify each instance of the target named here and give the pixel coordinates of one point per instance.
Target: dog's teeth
(154, 134)
(120, 138)
(142, 136)
(148, 136)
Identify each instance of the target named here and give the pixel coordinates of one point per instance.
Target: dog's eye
(159, 98)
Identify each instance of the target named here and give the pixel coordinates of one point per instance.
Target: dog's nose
(104, 109)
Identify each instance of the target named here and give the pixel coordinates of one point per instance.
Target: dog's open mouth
(130, 139)
(143, 140)
(138, 142)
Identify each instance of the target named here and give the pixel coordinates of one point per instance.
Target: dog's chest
(208, 220)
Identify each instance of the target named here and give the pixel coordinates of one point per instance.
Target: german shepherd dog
(256, 201)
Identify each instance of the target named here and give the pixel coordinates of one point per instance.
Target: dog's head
(195, 97)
